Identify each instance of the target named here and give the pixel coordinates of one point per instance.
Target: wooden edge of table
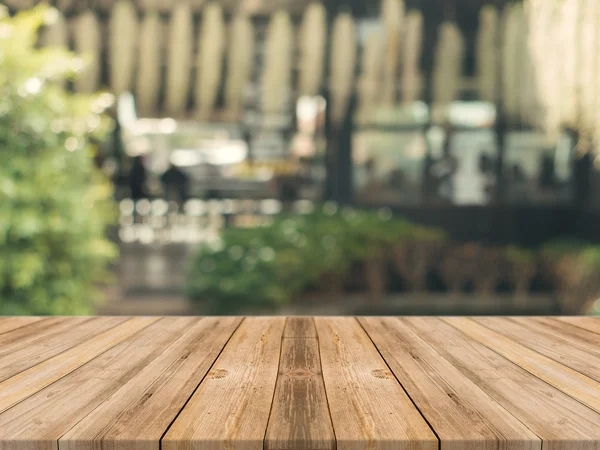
(351, 383)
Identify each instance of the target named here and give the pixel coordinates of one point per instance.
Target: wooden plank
(144, 407)
(300, 414)
(15, 358)
(539, 338)
(39, 421)
(587, 323)
(30, 381)
(300, 327)
(369, 409)
(478, 383)
(39, 332)
(12, 323)
(231, 407)
(569, 381)
(559, 420)
(23, 335)
(463, 416)
(576, 336)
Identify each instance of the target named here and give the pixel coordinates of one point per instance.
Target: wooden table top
(276, 383)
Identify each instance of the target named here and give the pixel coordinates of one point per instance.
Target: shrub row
(332, 248)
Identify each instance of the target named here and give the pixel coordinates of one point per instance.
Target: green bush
(559, 248)
(519, 255)
(54, 204)
(591, 257)
(263, 268)
(416, 252)
(575, 266)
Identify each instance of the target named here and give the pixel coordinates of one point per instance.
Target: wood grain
(25, 334)
(463, 416)
(230, 409)
(569, 381)
(40, 332)
(577, 337)
(142, 409)
(587, 323)
(12, 323)
(537, 337)
(35, 378)
(299, 327)
(22, 355)
(559, 420)
(40, 420)
(369, 409)
(300, 414)
(301, 383)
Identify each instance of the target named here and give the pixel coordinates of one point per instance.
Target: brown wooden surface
(460, 412)
(41, 345)
(559, 420)
(559, 375)
(298, 383)
(231, 407)
(367, 404)
(142, 409)
(12, 323)
(300, 413)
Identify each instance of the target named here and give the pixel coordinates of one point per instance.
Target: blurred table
(299, 383)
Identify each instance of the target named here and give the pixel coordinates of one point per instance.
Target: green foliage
(558, 248)
(590, 256)
(519, 255)
(54, 204)
(263, 268)
(581, 253)
(576, 265)
(421, 235)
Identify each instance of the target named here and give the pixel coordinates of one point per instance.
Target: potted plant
(456, 266)
(575, 269)
(414, 255)
(370, 239)
(522, 267)
(487, 268)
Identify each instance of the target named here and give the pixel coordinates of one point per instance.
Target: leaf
(54, 204)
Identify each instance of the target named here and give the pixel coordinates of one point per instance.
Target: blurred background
(300, 157)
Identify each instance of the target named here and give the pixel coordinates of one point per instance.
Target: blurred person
(518, 184)
(373, 185)
(137, 179)
(175, 184)
(288, 190)
(486, 169)
(547, 179)
(429, 185)
(517, 175)
(397, 179)
(443, 171)
(583, 169)
(486, 164)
